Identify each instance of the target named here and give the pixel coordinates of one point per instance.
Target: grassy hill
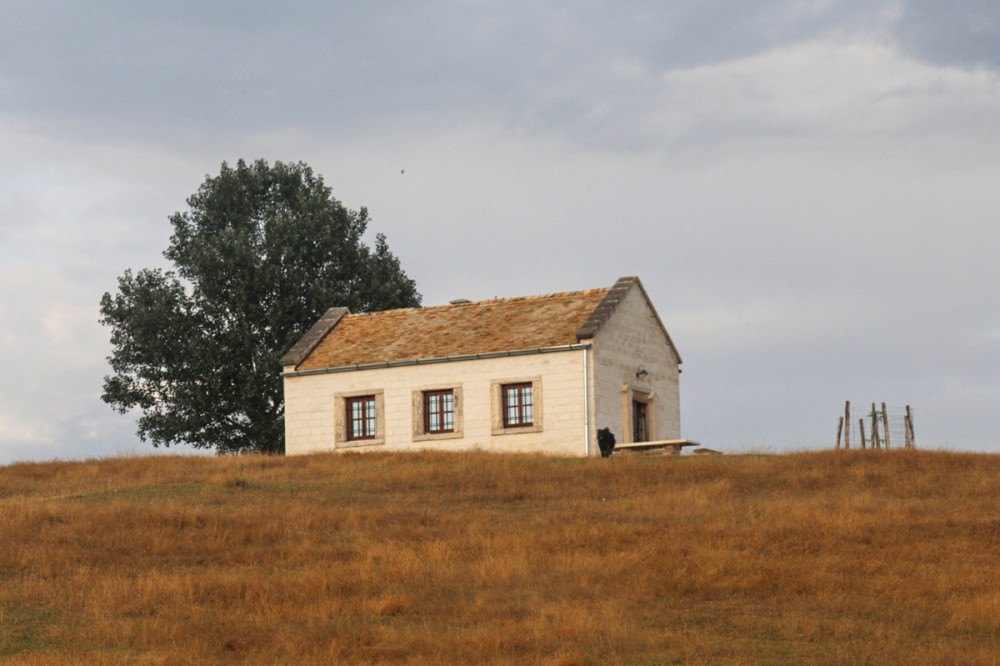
(836, 557)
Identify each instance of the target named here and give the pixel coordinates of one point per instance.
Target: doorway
(640, 425)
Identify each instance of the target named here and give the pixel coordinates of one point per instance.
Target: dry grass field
(815, 558)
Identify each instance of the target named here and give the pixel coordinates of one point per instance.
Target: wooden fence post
(876, 442)
(885, 426)
(847, 425)
(909, 428)
(861, 422)
(840, 429)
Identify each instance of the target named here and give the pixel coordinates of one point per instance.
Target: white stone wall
(313, 416)
(633, 338)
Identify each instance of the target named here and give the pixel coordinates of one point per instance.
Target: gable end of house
(610, 303)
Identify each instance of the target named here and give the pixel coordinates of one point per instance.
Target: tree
(259, 256)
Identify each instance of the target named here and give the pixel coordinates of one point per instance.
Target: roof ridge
(558, 294)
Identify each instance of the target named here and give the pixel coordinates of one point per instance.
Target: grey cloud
(964, 33)
(152, 66)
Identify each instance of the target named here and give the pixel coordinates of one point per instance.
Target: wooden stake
(909, 425)
(847, 424)
(840, 429)
(861, 422)
(885, 426)
(876, 443)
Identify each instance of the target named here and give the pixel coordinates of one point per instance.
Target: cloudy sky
(808, 189)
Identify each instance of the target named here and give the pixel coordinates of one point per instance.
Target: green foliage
(261, 253)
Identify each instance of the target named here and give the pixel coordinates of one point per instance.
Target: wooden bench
(673, 446)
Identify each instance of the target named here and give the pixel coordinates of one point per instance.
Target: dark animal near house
(606, 441)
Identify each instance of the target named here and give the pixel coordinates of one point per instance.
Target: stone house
(531, 374)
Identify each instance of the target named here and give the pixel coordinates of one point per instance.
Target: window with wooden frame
(439, 411)
(518, 407)
(361, 417)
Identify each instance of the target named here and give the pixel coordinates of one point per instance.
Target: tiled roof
(508, 324)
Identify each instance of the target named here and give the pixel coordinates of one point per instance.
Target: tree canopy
(261, 253)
